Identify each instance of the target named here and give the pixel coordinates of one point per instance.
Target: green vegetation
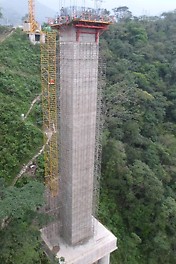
(19, 85)
(19, 140)
(139, 144)
(19, 241)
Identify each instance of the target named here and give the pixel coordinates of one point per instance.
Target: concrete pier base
(96, 250)
(105, 260)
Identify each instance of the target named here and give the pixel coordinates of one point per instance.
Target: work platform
(82, 26)
(74, 14)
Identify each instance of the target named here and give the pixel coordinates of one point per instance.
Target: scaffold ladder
(49, 105)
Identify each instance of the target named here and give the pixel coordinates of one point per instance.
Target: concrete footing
(105, 260)
(96, 250)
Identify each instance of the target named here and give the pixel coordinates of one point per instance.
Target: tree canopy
(138, 164)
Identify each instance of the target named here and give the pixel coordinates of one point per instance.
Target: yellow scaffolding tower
(49, 103)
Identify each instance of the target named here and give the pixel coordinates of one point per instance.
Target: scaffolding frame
(49, 104)
(78, 104)
(98, 135)
(72, 94)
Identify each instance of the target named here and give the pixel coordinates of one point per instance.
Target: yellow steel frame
(49, 103)
(32, 21)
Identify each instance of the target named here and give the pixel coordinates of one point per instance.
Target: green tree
(19, 234)
(138, 164)
(122, 13)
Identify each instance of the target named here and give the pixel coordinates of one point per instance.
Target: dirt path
(37, 99)
(26, 166)
(6, 35)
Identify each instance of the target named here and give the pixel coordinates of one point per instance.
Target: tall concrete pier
(78, 105)
(82, 238)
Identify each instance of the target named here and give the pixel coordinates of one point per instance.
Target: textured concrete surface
(78, 105)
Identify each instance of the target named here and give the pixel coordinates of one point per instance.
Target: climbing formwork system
(49, 103)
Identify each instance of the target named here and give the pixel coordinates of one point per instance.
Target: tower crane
(31, 16)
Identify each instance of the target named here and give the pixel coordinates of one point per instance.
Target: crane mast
(31, 19)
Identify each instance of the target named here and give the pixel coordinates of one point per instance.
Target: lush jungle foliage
(19, 85)
(138, 194)
(19, 140)
(139, 143)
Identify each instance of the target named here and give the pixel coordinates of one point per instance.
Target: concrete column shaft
(105, 260)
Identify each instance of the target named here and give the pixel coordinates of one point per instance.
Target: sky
(137, 7)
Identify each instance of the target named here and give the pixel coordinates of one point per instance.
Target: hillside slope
(5, 32)
(21, 195)
(139, 144)
(19, 85)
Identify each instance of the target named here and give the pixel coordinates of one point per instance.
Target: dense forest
(138, 199)
(138, 189)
